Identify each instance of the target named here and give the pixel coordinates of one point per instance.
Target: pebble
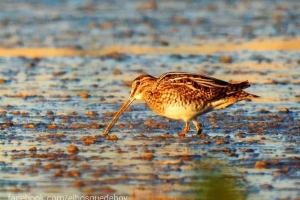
(31, 126)
(58, 173)
(32, 149)
(24, 114)
(52, 126)
(49, 112)
(240, 135)
(16, 112)
(263, 111)
(108, 25)
(260, 164)
(78, 184)
(84, 95)
(117, 72)
(89, 113)
(58, 73)
(248, 150)
(284, 110)
(148, 156)
(225, 59)
(149, 5)
(266, 187)
(128, 83)
(73, 149)
(111, 137)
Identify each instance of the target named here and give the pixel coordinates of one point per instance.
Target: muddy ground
(66, 67)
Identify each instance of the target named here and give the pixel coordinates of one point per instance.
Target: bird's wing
(197, 85)
(183, 78)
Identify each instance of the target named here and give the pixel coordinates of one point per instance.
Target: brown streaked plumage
(184, 96)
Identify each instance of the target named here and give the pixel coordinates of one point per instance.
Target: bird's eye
(138, 83)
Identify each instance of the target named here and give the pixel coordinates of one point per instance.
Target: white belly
(182, 113)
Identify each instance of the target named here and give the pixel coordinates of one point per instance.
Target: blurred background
(67, 66)
(92, 24)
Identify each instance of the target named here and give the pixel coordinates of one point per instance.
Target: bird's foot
(199, 132)
(182, 134)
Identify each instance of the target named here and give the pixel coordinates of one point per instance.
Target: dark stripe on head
(144, 77)
(133, 92)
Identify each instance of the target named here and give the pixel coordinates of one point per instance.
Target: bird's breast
(174, 106)
(181, 112)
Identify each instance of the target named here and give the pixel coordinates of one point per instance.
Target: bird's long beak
(118, 114)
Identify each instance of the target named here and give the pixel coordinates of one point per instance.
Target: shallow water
(52, 102)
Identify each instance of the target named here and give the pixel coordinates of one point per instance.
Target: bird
(184, 96)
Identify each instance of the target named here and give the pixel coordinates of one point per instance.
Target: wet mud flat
(54, 111)
(64, 73)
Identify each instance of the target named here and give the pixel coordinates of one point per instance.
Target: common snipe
(184, 96)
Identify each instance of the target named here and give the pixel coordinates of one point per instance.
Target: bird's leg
(185, 130)
(197, 126)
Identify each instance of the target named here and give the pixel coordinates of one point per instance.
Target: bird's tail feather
(245, 96)
(237, 86)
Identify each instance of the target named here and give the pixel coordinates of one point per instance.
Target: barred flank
(246, 96)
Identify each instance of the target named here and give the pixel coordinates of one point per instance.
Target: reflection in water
(215, 181)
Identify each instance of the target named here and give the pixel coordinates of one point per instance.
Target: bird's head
(140, 85)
